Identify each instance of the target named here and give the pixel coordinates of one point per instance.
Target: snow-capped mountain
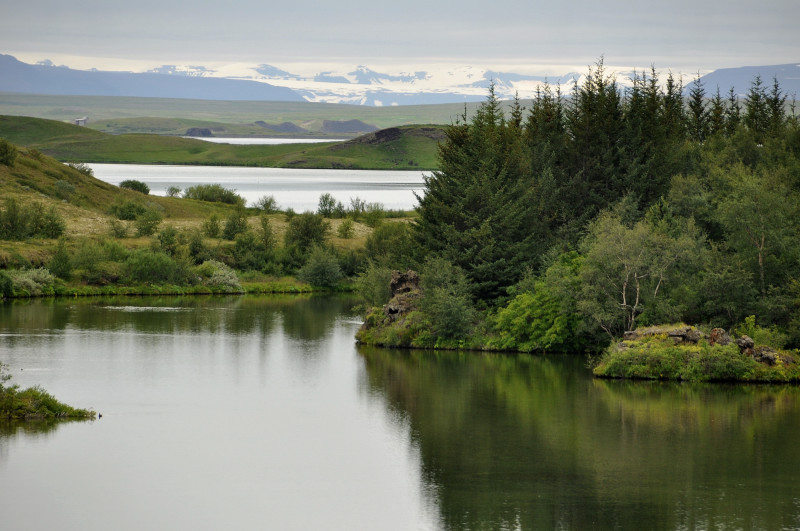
(364, 86)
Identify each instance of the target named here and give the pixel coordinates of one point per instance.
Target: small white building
(82, 121)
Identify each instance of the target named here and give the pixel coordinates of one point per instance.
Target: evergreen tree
(698, 117)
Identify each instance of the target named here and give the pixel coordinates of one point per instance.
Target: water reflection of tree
(537, 443)
(27, 429)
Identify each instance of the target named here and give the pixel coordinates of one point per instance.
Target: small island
(681, 352)
(34, 403)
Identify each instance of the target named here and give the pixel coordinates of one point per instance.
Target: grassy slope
(35, 177)
(414, 148)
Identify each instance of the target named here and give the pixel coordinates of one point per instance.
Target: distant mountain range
(16, 76)
(359, 86)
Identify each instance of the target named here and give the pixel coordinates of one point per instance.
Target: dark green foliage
(211, 227)
(446, 299)
(168, 239)
(8, 152)
(145, 265)
(329, 207)
(126, 210)
(33, 220)
(267, 204)
(321, 269)
(306, 230)
(33, 403)
(373, 285)
(249, 252)
(213, 193)
(60, 264)
(82, 168)
(235, 224)
(136, 186)
(345, 229)
(392, 244)
(6, 289)
(147, 222)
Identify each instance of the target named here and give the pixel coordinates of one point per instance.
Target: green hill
(407, 147)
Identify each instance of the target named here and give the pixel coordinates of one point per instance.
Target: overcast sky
(529, 35)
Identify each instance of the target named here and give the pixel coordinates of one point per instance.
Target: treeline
(590, 213)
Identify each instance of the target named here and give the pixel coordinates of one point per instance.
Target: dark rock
(766, 355)
(404, 282)
(405, 293)
(745, 344)
(719, 337)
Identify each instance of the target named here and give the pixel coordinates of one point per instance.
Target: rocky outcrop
(682, 334)
(719, 336)
(405, 293)
(198, 131)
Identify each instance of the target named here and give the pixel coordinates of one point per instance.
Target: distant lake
(252, 141)
(298, 189)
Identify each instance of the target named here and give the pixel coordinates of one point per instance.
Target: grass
(413, 147)
(658, 357)
(34, 403)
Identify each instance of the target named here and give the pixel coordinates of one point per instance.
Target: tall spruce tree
(478, 207)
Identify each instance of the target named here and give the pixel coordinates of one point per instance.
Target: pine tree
(698, 118)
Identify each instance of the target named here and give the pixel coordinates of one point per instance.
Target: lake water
(292, 188)
(262, 413)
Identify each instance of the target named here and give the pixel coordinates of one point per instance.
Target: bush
(373, 285)
(6, 286)
(374, 214)
(267, 204)
(211, 227)
(32, 282)
(117, 229)
(213, 193)
(446, 299)
(82, 168)
(145, 265)
(147, 223)
(346, 229)
(219, 275)
(235, 224)
(136, 186)
(329, 207)
(60, 264)
(173, 191)
(18, 222)
(64, 190)
(168, 239)
(321, 268)
(8, 152)
(306, 230)
(127, 210)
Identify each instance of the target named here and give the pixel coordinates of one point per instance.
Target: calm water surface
(292, 188)
(262, 413)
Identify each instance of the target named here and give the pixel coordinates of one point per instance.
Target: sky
(524, 36)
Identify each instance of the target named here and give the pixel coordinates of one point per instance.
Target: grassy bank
(33, 403)
(407, 147)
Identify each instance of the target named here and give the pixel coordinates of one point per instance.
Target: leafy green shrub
(373, 285)
(60, 264)
(392, 244)
(216, 274)
(64, 190)
(374, 214)
(127, 210)
(769, 336)
(446, 298)
(214, 193)
(267, 204)
(117, 229)
(321, 268)
(8, 152)
(136, 186)
(6, 286)
(147, 222)
(306, 230)
(33, 282)
(211, 227)
(18, 222)
(346, 229)
(168, 240)
(82, 168)
(329, 207)
(145, 265)
(173, 191)
(235, 224)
